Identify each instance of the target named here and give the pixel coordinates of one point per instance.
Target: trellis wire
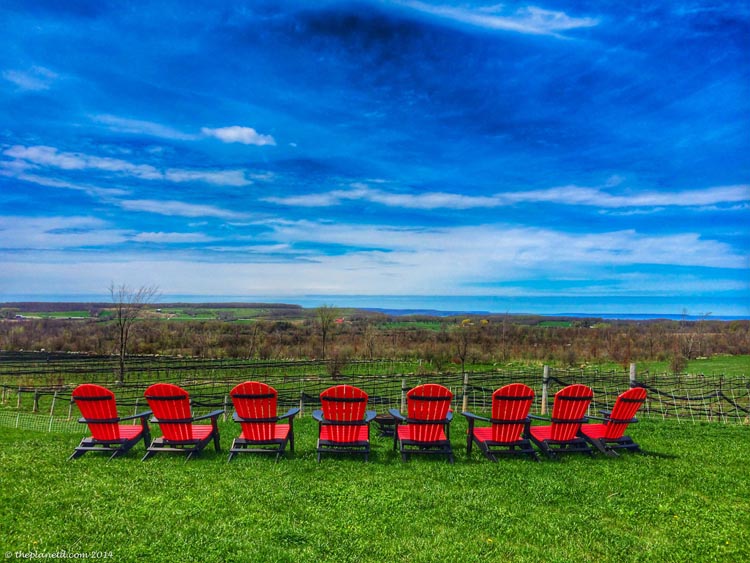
(300, 383)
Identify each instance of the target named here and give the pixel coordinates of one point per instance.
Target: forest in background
(278, 331)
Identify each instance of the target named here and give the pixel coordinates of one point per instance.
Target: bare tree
(327, 316)
(128, 308)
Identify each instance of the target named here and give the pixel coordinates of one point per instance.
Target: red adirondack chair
(343, 421)
(171, 407)
(568, 414)
(99, 411)
(510, 424)
(426, 428)
(255, 410)
(609, 435)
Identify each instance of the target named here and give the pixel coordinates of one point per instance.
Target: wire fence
(37, 395)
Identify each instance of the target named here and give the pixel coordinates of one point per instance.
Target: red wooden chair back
(98, 407)
(510, 408)
(626, 405)
(428, 402)
(568, 411)
(171, 407)
(343, 403)
(257, 401)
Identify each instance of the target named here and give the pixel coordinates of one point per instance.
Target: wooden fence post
(403, 395)
(465, 404)
(632, 375)
(301, 403)
(545, 385)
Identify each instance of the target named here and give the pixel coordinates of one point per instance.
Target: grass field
(685, 499)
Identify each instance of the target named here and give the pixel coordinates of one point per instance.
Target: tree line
(368, 336)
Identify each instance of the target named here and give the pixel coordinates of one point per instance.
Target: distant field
(556, 324)
(60, 315)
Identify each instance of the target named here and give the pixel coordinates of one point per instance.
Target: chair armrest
(212, 414)
(143, 414)
(397, 415)
(449, 416)
(370, 416)
(535, 417)
(318, 415)
(591, 417)
(473, 416)
(606, 413)
(291, 413)
(83, 420)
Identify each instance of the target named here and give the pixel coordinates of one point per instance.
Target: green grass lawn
(685, 499)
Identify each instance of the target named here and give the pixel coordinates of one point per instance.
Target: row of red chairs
(344, 422)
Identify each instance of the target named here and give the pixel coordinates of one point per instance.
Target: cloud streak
(179, 209)
(514, 247)
(51, 157)
(37, 78)
(56, 233)
(567, 195)
(141, 127)
(528, 20)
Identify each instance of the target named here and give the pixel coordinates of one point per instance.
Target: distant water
(635, 308)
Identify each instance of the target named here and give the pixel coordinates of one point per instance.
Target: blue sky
(529, 157)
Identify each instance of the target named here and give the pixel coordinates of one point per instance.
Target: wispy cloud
(478, 248)
(56, 233)
(140, 127)
(179, 209)
(53, 158)
(238, 134)
(566, 195)
(529, 19)
(166, 238)
(232, 134)
(34, 79)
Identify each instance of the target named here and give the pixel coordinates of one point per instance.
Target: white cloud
(178, 208)
(238, 134)
(53, 158)
(565, 195)
(528, 20)
(35, 79)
